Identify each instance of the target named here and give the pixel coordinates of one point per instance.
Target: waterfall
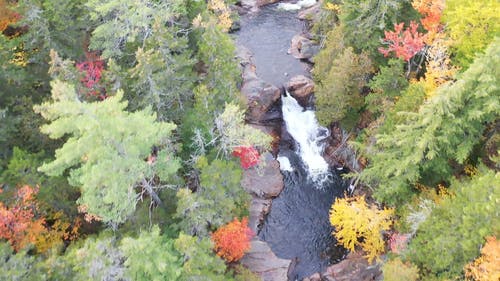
(304, 128)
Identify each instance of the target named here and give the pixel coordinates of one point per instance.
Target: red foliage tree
(405, 44)
(92, 69)
(249, 156)
(233, 240)
(18, 224)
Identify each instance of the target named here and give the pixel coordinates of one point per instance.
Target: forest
(124, 138)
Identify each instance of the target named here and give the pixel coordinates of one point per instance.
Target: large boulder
(265, 182)
(354, 268)
(301, 88)
(302, 47)
(311, 13)
(260, 97)
(262, 261)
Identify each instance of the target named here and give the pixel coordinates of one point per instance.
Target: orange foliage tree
(431, 11)
(7, 16)
(233, 240)
(487, 266)
(18, 224)
(22, 225)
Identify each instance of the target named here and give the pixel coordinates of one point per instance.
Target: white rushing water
(304, 128)
(285, 164)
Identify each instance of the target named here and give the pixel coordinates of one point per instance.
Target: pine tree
(338, 97)
(455, 230)
(447, 127)
(151, 256)
(218, 199)
(199, 261)
(105, 150)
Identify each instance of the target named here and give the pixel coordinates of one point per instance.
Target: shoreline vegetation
(125, 143)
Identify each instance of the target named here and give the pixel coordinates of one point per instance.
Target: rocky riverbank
(263, 100)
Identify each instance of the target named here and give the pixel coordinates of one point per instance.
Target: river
(297, 226)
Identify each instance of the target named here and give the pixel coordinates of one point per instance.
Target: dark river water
(268, 34)
(297, 226)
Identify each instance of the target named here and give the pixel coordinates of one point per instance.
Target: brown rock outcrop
(354, 268)
(301, 88)
(262, 261)
(259, 208)
(266, 182)
(302, 47)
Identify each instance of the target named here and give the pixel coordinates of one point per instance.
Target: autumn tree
(403, 43)
(8, 16)
(232, 240)
(431, 11)
(106, 150)
(357, 224)
(19, 223)
(472, 26)
(485, 267)
(54, 195)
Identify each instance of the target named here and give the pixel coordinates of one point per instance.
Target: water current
(297, 226)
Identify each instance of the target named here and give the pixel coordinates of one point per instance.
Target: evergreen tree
(97, 258)
(338, 96)
(455, 230)
(106, 150)
(199, 261)
(151, 256)
(447, 127)
(218, 199)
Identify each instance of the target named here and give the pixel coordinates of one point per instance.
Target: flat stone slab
(264, 182)
(262, 261)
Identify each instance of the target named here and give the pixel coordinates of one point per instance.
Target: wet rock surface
(301, 88)
(302, 47)
(353, 268)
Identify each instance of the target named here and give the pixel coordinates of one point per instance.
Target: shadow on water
(267, 35)
(298, 226)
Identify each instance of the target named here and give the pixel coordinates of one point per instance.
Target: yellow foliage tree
(223, 13)
(439, 68)
(357, 224)
(487, 266)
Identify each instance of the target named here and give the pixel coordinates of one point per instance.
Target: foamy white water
(285, 164)
(304, 128)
